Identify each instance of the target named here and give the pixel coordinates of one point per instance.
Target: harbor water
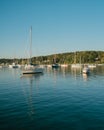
(58, 99)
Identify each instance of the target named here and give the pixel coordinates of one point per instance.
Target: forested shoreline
(96, 57)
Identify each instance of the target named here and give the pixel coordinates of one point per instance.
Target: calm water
(61, 99)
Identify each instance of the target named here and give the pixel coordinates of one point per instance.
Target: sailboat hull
(32, 70)
(55, 66)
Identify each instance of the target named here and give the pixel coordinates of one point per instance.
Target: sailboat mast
(75, 58)
(30, 44)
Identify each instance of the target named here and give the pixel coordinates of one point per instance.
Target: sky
(58, 26)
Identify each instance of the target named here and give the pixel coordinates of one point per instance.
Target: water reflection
(55, 72)
(31, 82)
(76, 72)
(85, 77)
(32, 100)
(64, 71)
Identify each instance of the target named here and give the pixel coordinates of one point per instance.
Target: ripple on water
(54, 100)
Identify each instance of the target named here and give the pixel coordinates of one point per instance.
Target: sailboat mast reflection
(31, 83)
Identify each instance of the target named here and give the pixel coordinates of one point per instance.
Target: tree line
(96, 57)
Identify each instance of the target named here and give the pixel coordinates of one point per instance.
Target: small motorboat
(86, 70)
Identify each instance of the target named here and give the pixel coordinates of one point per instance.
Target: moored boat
(86, 70)
(76, 66)
(55, 65)
(30, 68)
(92, 65)
(13, 65)
(64, 65)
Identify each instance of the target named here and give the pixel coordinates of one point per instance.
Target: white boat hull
(64, 65)
(86, 70)
(92, 66)
(32, 70)
(76, 66)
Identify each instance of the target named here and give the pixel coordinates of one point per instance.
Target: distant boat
(49, 66)
(64, 65)
(55, 65)
(30, 68)
(76, 65)
(86, 70)
(92, 65)
(13, 65)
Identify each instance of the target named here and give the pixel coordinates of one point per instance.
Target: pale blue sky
(58, 26)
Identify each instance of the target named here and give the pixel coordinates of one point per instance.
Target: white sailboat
(13, 65)
(76, 65)
(30, 68)
(55, 64)
(86, 70)
(64, 65)
(92, 65)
